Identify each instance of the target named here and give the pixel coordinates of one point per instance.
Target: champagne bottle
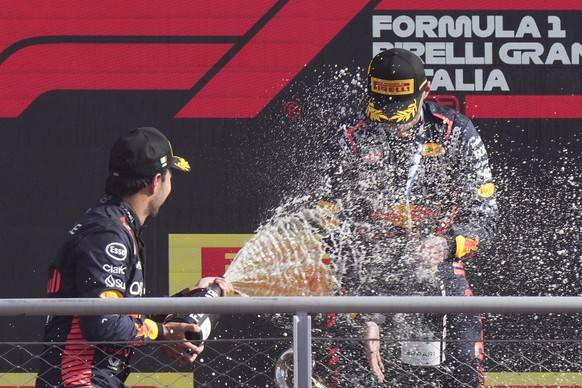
(206, 322)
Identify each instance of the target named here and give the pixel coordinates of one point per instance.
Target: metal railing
(296, 304)
(300, 307)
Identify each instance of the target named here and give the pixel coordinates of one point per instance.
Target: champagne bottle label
(421, 353)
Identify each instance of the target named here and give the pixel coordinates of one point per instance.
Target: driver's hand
(180, 349)
(372, 348)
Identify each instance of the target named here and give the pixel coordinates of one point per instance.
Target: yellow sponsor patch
(328, 207)
(486, 190)
(149, 329)
(432, 150)
(392, 87)
(110, 294)
(328, 211)
(466, 245)
(401, 215)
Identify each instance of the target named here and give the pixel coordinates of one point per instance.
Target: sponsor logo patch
(392, 88)
(136, 288)
(114, 270)
(74, 229)
(327, 211)
(432, 150)
(486, 190)
(164, 161)
(117, 251)
(112, 282)
(110, 294)
(372, 155)
(398, 214)
(466, 245)
(113, 363)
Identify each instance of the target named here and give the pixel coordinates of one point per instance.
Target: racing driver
(103, 257)
(414, 177)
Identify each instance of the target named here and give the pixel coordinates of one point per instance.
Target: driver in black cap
(414, 177)
(103, 256)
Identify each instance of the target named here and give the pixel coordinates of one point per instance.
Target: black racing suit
(102, 257)
(396, 192)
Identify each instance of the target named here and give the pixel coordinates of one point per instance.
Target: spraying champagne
(284, 258)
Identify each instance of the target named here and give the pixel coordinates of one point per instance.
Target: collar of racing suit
(130, 214)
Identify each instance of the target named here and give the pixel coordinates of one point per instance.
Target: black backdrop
(54, 163)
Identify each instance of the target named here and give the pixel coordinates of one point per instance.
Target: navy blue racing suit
(102, 256)
(436, 181)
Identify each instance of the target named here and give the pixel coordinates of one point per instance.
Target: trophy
(284, 372)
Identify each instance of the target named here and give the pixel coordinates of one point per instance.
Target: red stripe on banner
(527, 107)
(35, 70)
(21, 20)
(215, 260)
(272, 58)
(481, 5)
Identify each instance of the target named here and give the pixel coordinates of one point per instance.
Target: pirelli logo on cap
(392, 88)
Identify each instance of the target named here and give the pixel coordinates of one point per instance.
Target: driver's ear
(156, 179)
(426, 89)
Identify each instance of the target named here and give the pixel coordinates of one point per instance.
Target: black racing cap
(396, 81)
(143, 152)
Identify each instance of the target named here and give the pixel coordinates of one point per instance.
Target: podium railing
(300, 307)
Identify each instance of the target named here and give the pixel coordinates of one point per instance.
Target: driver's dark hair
(125, 187)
